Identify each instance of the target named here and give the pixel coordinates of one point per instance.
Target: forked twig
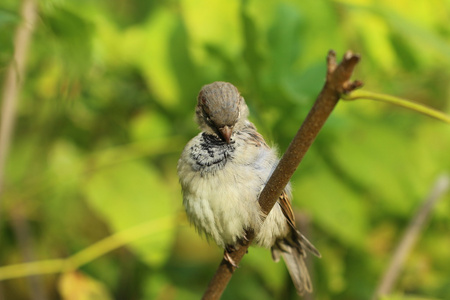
(337, 83)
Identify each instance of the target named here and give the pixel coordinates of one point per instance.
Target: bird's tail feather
(292, 250)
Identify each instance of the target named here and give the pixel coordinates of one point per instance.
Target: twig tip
(350, 86)
(331, 61)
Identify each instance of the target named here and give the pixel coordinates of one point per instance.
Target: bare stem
(12, 85)
(410, 237)
(361, 94)
(88, 254)
(337, 83)
(14, 80)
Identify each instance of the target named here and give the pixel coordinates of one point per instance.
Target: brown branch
(410, 237)
(337, 82)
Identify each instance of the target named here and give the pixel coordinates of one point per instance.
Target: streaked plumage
(222, 172)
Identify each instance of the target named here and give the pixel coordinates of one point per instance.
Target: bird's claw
(228, 258)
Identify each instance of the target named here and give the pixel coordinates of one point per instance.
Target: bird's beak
(226, 131)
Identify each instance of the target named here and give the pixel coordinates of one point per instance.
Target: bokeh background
(107, 105)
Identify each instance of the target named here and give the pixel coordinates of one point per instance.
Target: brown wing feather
(284, 202)
(291, 247)
(286, 207)
(299, 240)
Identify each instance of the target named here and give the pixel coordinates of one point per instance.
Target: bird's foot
(227, 255)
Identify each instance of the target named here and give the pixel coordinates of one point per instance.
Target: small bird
(223, 170)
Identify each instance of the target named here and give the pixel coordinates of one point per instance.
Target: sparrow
(223, 170)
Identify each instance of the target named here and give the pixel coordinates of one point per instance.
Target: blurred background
(107, 104)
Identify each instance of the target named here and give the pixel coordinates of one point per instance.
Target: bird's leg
(244, 239)
(226, 255)
(231, 248)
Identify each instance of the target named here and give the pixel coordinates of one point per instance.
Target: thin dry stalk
(410, 237)
(14, 80)
(12, 86)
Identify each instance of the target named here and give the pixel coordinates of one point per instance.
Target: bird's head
(220, 110)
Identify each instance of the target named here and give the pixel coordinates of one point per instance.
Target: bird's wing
(292, 249)
(300, 240)
(286, 207)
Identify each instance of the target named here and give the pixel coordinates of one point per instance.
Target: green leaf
(149, 125)
(334, 206)
(73, 36)
(65, 166)
(129, 194)
(283, 40)
(7, 17)
(391, 166)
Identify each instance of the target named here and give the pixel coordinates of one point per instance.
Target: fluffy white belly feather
(222, 206)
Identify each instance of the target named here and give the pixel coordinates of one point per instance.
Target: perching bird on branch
(223, 170)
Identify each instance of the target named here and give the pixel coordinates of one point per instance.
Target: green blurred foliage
(108, 104)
